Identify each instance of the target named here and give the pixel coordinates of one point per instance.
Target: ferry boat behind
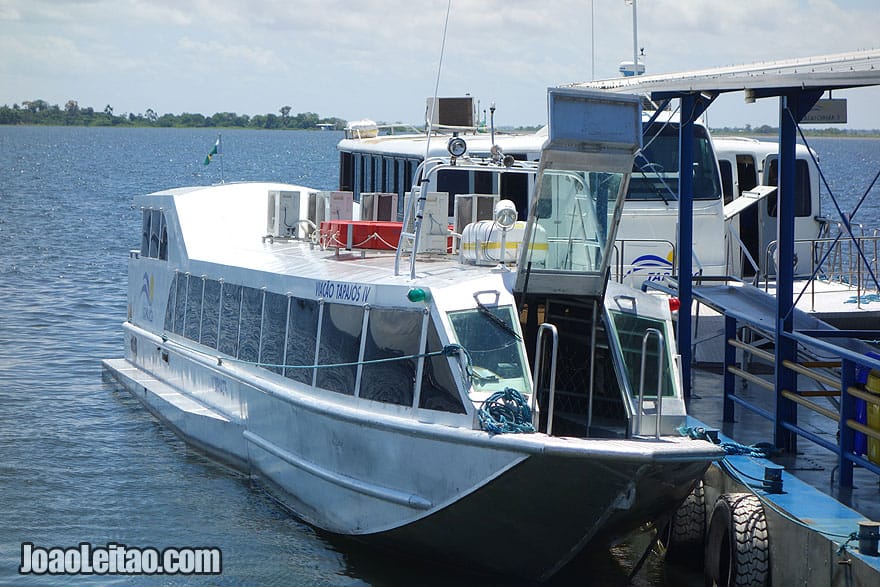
(375, 376)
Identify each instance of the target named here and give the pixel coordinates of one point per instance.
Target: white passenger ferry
(374, 375)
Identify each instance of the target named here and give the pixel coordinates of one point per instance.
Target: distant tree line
(766, 129)
(40, 112)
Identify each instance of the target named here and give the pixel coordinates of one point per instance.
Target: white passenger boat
(373, 380)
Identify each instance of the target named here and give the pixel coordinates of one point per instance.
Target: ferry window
(302, 330)
(390, 334)
(145, 233)
(439, 391)
(340, 343)
(358, 186)
(489, 334)
(367, 185)
(180, 302)
(726, 180)
(803, 195)
(483, 182)
(655, 170)
(249, 333)
(230, 310)
(169, 307)
(346, 172)
(210, 313)
(630, 330)
(409, 169)
(515, 187)
(273, 330)
(378, 176)
(163, 241)
(194, 294)
(453, 182)
(155, 221)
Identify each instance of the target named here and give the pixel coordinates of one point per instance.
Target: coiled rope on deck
(505, 412)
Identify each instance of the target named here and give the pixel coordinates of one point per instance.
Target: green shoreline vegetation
(40, 112)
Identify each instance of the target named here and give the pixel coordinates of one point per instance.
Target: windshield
(575, 212)
(655, 169)
(493, 342)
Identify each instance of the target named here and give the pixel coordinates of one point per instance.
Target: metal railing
(641, 404)
(539, 346)
(842, 263)
(618, 261)
(836, 375)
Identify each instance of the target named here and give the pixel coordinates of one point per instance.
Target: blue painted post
(686, 235)
(847, 412)
(729, 360)
(786, 348)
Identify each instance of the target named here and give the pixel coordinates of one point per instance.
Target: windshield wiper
(496, 320)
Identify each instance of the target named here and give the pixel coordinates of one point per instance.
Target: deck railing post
(847, 412)
(729, 361)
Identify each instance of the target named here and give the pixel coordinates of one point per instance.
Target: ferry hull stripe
(377, 491)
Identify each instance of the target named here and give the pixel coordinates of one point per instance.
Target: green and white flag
(213, 151)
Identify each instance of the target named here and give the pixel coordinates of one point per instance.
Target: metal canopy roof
(828, 72)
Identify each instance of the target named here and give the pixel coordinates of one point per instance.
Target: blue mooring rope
(506, 412)
(761, 450)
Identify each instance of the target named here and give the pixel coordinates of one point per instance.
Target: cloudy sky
(378, 58)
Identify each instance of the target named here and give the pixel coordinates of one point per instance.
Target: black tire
(737, 543)
(684, 536)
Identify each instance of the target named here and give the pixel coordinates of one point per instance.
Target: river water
(83, 462)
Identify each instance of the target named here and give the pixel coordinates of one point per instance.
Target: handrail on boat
(545, 327)
(641, 404)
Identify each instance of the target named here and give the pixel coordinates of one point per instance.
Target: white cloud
(378, 58)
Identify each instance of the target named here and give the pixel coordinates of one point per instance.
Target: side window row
(373, 351)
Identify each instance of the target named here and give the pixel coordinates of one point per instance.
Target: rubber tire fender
(737, 543)
(684, 536)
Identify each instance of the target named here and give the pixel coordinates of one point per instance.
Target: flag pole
(220, 152)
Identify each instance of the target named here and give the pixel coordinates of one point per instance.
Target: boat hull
(515, 504)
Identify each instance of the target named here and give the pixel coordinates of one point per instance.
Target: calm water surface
(83, 462)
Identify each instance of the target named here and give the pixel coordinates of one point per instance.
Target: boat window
(210, 313)
(655, 169)
(453, 182)
(169, 307)
(249, 332)
(803, 195)
(391, 333)
(273, 331)
(154, 235)
(515, 187)
(194, 292)
(340, 345)
(630, 329)
(439, 391)
(230, 311)
(574, 212)
(302, 331)
(726, 180)
(155, 230)
(180, 303)
(145, 233)
(346, 172)
(491, 338)
(483, 182)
